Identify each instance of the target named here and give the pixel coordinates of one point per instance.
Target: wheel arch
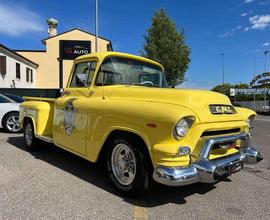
(122, 132)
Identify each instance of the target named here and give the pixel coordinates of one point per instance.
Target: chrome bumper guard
(205, 170)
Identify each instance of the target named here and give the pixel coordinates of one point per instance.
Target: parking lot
(54, 184)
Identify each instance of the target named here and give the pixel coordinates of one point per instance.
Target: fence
(258, 106)
(48, 93)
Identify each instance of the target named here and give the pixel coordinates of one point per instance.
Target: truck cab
(117, 108)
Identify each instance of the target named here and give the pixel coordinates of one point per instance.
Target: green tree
(225, 89)
(241, 86)
(164, 44)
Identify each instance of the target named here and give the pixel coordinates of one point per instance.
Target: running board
(45, 138)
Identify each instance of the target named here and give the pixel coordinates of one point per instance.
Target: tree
(166, 45)
(227, 86)
(225, 89)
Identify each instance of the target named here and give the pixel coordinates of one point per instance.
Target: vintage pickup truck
(117, 109)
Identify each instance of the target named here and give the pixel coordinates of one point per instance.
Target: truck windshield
(123, 71)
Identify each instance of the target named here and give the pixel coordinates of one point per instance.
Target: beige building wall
(48, 70)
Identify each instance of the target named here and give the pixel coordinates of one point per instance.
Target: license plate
(235, 167)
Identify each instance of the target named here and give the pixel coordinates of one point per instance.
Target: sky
(240, 29)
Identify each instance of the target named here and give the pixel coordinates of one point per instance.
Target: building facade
(55, 62)
(16, 71)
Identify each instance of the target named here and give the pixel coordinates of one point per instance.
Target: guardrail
(257, 106)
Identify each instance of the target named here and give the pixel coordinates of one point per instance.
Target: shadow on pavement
(96, 175)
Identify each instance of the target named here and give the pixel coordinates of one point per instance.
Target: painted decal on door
(69, 118)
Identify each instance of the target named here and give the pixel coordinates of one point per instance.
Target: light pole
(223, 72)
(254, 93)
(96, 27)
(265, 70)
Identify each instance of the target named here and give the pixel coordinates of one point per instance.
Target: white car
(9, 114)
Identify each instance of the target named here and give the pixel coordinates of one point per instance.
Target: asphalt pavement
(54, 184)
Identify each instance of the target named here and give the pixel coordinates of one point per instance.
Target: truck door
(70, 118)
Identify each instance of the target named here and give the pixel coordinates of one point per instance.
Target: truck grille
(220, 132)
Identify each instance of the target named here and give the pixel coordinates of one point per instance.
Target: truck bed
(28, 98)
(41, 112)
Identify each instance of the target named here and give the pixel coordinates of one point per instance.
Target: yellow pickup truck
(117, 109)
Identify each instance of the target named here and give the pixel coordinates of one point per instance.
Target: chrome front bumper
(205, 170)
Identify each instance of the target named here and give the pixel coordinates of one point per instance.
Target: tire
(127, 153)
(11, 122)
(31, 142)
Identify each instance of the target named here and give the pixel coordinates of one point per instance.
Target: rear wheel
(11, 122)
(128, 165)
(29, 135)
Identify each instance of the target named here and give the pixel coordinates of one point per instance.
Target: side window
(92, 72)
(83, 74)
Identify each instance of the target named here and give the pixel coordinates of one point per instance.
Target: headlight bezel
(187, 122)
(250, 121)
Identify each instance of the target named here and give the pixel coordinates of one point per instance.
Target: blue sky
(238, 28)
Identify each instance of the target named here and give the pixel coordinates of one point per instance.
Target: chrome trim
(209, 143)
(123, 164)
(176, 176)
(205, 170)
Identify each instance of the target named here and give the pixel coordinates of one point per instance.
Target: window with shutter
(18, 71)
(3, 65)
(31, 71)
(27, 74)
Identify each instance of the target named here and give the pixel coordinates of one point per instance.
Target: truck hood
(197, 101)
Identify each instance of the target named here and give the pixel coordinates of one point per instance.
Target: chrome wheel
(28, 134)
(123, 163)
(13, 123)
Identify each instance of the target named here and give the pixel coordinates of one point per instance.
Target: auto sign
(70, 49)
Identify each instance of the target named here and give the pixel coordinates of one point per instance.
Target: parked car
(15, 98)
(118, 109)
(9, 114)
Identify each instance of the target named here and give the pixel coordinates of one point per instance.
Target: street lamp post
(254, 93)
(96, 27)
(265, 70)
(223, 72)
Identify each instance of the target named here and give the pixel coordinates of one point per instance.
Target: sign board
(232, 92)
(256, 78)
(71, 49)
(252, 91)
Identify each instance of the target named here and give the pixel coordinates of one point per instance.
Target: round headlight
(182, 127)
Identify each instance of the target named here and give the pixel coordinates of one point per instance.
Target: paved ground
(54, 184)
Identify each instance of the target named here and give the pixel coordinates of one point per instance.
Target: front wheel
(128, 166)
